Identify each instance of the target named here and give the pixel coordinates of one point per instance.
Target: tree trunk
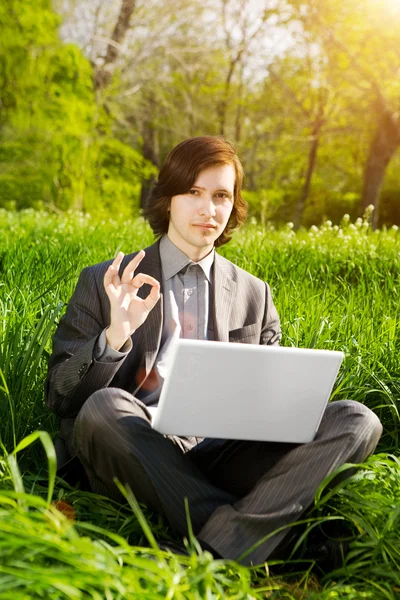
(223, 106)
(150, 152)
(145, 188)
(239, 107)
(104, 72)
(312, 161)
(383, 146)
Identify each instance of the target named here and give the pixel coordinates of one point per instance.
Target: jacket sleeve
(74, 373)
(271, 328)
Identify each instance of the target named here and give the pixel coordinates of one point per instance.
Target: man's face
(197, 218)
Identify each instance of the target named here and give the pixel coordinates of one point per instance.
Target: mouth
(205, 225)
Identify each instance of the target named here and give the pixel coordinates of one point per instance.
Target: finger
(152, 298)
(131, 267)
(111, 275)
(142, 278)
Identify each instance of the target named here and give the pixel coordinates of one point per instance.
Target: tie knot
(190, 267)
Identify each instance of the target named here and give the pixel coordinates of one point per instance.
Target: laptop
(245, 391)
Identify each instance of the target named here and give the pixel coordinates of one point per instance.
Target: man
(110, 355)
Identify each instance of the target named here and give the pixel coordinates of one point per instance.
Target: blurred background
(94, 93)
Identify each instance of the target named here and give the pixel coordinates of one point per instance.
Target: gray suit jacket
(242, 310)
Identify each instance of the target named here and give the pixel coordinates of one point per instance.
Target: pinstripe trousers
(239, 492)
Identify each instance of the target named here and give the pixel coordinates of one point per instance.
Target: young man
(111, 350)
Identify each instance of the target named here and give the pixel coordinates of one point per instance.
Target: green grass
(334, 287)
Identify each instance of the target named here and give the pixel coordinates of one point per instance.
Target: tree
(360, 41)
(314, 105)
(148, 83)
(245, 27)
(103, 72)
(45, 88)
(56, 149)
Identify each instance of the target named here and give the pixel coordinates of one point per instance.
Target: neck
(198, 256)
(195, 254)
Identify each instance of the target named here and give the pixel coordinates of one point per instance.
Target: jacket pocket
(249, 334)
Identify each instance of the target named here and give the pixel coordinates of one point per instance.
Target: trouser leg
(348, 432)
(113, 438)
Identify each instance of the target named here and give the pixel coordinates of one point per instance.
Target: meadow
(335, 287)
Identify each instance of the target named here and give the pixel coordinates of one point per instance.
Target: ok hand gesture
(128, 311)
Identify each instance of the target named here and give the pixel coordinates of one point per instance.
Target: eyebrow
(198, 187)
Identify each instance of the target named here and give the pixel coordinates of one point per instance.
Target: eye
(193, 192)
(223, 196)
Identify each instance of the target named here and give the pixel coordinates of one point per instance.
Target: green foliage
(62, 145)
(265, 204)
(56, 145)
(46, 554)
(116, 174)
(369, 500)
(100, 553)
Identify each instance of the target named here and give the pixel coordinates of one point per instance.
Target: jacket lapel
(224, 293)
(146, 340)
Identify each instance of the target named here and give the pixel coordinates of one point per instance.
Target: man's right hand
(128, 311)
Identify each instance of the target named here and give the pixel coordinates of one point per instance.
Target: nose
(207, 206)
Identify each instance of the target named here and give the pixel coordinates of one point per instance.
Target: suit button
(81, 370)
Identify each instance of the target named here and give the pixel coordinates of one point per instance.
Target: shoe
(326, 546)
(329, 546)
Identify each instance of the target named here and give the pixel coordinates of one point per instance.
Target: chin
(207, 241)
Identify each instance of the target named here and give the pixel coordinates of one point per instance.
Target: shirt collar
(174, 260)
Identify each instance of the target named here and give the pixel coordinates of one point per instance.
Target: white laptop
(245, 391)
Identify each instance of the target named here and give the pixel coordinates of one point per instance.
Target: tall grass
(334, 287)
(43, 554)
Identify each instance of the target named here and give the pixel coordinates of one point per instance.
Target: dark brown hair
(178, 174)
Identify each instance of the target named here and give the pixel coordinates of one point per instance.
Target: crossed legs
(238, 492)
